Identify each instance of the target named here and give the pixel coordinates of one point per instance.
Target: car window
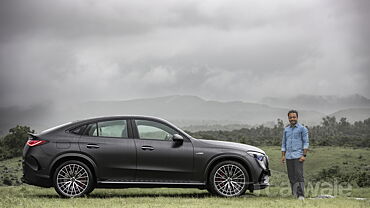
(114, 128)
(78, 130)
(91, 130)
(154, 130)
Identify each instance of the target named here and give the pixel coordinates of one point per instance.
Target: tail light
(35, 142)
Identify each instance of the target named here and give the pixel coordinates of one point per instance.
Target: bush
(358, 175)
(7, 181)
(12, 144)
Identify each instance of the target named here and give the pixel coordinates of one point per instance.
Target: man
(294, 150)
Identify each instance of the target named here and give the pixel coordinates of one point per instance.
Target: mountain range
(329, 104)
(192, 112)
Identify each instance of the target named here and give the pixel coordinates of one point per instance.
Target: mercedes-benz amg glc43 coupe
(139, 151)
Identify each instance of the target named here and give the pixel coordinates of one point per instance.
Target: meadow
(29, 196)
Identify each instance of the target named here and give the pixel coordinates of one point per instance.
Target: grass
(11, 170)
(29, 196)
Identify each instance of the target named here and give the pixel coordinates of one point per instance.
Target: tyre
(228, 179)
(73, 179)
(209, 189)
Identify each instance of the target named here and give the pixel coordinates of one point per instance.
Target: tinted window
(115, 128)
(78, 130)
(91, 130)
(154, 130)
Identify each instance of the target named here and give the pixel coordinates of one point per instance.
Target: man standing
(294, 149)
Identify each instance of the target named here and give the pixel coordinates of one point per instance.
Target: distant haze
(64, 52)
(191, 112)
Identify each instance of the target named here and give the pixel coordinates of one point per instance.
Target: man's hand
(302, 159)
(282, 159)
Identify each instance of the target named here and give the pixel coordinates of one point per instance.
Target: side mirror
(177, 138)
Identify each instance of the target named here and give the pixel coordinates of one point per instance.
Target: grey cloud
(71, 19)
(238, 50)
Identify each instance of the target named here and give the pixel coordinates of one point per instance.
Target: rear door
(159, 158)
(110, 144)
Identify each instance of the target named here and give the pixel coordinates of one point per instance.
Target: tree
(343, 122)
(12, 144)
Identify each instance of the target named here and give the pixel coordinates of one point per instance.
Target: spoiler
(34, 136)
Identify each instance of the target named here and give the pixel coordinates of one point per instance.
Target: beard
(293, 122)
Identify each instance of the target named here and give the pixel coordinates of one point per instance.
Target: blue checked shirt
(295, 139)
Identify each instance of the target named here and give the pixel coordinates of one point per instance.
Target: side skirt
(144, 184)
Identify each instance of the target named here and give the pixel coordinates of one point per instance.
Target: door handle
(92, 146)
(150, 148)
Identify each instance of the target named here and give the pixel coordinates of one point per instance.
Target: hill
(353, 114)
(188, 111)
(327, 104)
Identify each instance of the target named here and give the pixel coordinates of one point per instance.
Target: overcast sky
(223, 50)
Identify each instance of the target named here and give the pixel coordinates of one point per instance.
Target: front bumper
(264, 181)
(260, 186)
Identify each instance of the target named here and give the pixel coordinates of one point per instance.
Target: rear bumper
(32, 176)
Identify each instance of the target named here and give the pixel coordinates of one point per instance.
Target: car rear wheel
(73, 179)
(228, 178)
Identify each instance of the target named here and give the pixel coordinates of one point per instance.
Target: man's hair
(293, 111)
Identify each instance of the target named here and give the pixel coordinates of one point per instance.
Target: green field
(29, 196)
(278, 195)
(319, 158)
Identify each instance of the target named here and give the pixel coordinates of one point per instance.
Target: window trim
(80, 133)
(128, 126)
(136, 131)
(126, 120)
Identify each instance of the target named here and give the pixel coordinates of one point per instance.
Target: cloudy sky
(216, 49)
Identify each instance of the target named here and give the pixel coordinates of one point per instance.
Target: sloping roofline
(68, 125)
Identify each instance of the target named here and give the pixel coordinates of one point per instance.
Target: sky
(70, 51)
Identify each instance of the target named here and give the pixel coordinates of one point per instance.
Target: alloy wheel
(72, 180)
(229, 180)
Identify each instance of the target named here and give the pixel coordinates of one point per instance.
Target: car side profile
(139, 151)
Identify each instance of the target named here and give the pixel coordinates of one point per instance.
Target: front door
(159, 158)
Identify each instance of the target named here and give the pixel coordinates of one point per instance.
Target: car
(139, 151)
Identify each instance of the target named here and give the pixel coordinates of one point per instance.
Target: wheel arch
(232, 157)
(73, 156)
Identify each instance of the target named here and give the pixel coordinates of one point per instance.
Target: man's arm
(283, 148)
(305, 139)
(305, 144)
(305, 151)
(282, 157)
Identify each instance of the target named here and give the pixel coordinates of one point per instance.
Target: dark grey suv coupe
(138, 151)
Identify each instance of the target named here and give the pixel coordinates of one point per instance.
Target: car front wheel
(228, 178)
(73, 179)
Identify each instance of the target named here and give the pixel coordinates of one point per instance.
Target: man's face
(292, 118)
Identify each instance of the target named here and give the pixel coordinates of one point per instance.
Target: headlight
(260, 158)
